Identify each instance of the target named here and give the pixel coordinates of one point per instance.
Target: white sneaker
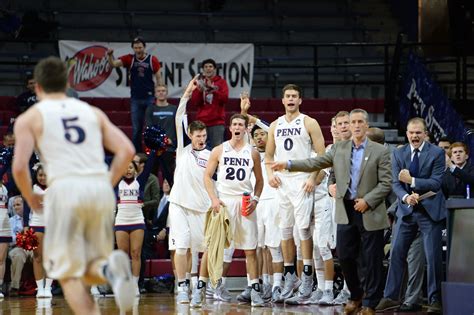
(40, 293)
(119, 275)
(342, 297)
(183, 295)
(1, 295)
(95, 290)
(327, 298)
(47, 293)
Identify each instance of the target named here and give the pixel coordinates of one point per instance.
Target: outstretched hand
(277, 165)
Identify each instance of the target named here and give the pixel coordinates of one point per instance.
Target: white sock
(277, 279)
(266, 278)
(224, 280)
(135, 279)
(320, 277)
(39, 283)
(270, 279)
(249, 284)
(47, 283)
(328, 284)
(188, 276)
(345, 288)
(194, 281)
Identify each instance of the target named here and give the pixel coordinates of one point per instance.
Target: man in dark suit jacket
(417, 168)
(459, 172)
(362, 171)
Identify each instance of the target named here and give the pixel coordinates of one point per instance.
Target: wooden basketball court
(157, 304)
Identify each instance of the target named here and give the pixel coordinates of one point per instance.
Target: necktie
(415, 164)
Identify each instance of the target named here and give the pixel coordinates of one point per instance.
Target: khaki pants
(18, 257)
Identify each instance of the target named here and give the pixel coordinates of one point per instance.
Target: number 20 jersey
(71, 143)
(235, 170)
(292, 141)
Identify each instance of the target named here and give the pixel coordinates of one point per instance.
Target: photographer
(210, 98)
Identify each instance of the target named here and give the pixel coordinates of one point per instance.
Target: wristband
(256, 199)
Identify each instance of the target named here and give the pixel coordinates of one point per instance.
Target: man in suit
(417, 168)
(459, 173)
(362, 171)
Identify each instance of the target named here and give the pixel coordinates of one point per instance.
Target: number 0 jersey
(235, 170)
(71, 142)
(292, 140)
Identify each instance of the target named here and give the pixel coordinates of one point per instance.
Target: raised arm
(180, 112)
(115, 63)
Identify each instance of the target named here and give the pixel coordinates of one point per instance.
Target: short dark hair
(142, 157)
(445, 139)
(211, 61)
(196, 125)
(240, 116)
(51, 74)
(292, 86)
(255, 128)
(137, 40)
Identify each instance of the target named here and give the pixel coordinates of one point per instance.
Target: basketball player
(79, 204)
(294, 135)
(235, 161)
(189, 201)
(267, 209)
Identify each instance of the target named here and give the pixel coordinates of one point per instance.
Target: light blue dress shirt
(357, 157)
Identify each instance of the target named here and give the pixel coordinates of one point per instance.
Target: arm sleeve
(262, 124)
(466, 177)
(155, 63)
(180, 113)
(154, 197)
(126, 60)
(222, 94)
(149, 116)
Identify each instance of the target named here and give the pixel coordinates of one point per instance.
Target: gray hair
(360, 111)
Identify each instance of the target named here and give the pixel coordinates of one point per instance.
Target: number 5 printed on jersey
(72, 132)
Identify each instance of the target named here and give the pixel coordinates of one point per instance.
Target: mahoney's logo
(89, 68)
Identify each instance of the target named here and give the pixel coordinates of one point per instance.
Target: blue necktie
(415, 164)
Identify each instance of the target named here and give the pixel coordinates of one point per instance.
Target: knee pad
(181, 251)
(286, 233)
(299, 253)
(326, 253)
(277, 256)
(305, 234)
(228, 253)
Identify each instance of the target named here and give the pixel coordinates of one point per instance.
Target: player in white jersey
(37, 224)
(235, 161)
(294, 135)
(5, 232)
(188, 199)
(268, 218)
(79, 205)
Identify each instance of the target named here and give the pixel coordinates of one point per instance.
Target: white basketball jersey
(292, 141)
(268, 191)
(188, 189)
(71, 143)
(235, 170)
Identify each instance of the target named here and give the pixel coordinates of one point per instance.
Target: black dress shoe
(435, 308)
(408, 307)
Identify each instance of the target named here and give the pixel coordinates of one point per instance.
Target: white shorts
(79, 217)
(295, 204)
(244, 228)
(323, 228)
(268, 222)
(186, 228)
(5, 230)
(37, 220)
